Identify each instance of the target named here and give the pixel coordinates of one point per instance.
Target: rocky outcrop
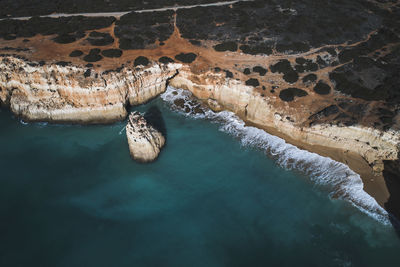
(73, 94)
(145, 142)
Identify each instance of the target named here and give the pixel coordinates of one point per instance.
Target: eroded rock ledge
(73, 94)
(145, 142)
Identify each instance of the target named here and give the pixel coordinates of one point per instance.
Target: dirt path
(121, 13)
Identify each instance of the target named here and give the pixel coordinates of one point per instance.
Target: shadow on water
(391, 175)
(154, 117)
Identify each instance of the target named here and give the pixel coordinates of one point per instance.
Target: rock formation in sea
(145, 142)
(323, 76)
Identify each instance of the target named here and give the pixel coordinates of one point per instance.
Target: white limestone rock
(145, 142)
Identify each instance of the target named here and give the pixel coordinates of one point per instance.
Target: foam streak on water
(335, 177)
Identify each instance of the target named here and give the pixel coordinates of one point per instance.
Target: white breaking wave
(340, 181)
(122, 130)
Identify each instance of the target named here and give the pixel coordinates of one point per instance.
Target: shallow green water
(71, 196)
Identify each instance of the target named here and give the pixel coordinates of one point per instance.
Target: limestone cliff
(77, 94)
(73, 94)
(145, 142)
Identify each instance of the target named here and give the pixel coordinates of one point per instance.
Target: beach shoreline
(374, 184)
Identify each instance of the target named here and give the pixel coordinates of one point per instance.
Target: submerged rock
(145, 142)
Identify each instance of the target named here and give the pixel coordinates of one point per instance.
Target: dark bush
(293, 47)
(166, 60)
(283, 66)
(260, 70)
(289, 94)
(256, 49)
(252, 82)
(112, 53)
(93, 55)
(186, 58)
(68, 29)
(301, 60)
(141, 61)
(87, 73)
(100, 39)
(228, 74)
(311, 66)
(226, 46)
(322, 88)
(305, 65)
(62, 63)
(291, 77)
(76, 53)
(137, 30)
(309, 78)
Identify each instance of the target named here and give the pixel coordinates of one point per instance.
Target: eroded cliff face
(145, 142)
(54, 93)
(373, 145)
(73, 94)
(77, 94)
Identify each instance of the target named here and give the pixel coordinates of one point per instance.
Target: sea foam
(334, 177)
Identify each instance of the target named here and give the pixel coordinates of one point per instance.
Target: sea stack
(145, 142)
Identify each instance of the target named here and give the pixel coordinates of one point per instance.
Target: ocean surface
(220, 194)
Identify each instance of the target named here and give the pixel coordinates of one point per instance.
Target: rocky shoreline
(332, 90)
(67, 94)
(364, 149)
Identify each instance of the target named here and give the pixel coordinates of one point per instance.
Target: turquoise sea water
(71, 196)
